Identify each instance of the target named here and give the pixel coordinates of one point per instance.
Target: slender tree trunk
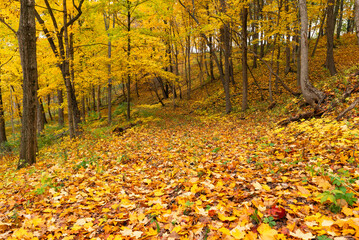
(83, 108)
(255, 32)
(27, 45)
(211, 67)
(128, 58)
(2, 121)
(12, 113)
(340, 21)
(98, 105)
(311, 95)
(107, 20)
(319, 35)
(188, 48)
(40, 119)
(330, 38)
(244, 60)
(61, 114)
(226, 39)
(356, 17)
(48, 107)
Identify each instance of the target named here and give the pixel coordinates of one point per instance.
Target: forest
(179, 119)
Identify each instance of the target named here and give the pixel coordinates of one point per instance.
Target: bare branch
(8, 59)
(8, 26)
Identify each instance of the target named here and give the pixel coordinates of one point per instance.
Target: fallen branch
(301, 116)
(348, 109)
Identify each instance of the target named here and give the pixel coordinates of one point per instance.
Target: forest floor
(194, 173)
(189, 177)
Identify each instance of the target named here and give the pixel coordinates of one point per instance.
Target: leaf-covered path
(190, 178)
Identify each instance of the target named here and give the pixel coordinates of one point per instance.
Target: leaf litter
(208, 178)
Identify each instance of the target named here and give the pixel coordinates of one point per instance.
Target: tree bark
(48, 106)
(2, 121)
(356, 18)
(98, 105)
(340, 21)
(128, 86)
(27, 45)
(330, 38)
(244, 60)
(61, 114)
(311, 95)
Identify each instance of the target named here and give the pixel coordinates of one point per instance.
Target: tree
(62, 52)
(244, 59)
(356, 16)
(311, 95)
(27, 45)
(330, 38)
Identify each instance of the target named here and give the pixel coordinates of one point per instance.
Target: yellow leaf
(151, 232)
(158, 193)
(238, 232)
(22, 233)
(148, 181)
(194, 188)
(266, 187)
(267, 233)
(347, 211)
(224, 231)
(76, 227)
(224, 218)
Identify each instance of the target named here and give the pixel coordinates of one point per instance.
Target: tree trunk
(2, 121)
(48, 107)
(330, 38)
(40, 119)
(211, 67)
(98, 105)
(311, 95)
(27, 45)
(319, 35)
(356, 17)
(225, 39)
(340, 21)
(255, 32)
(107, 20)
(128, 86)
(60, 100)
(244, 60)
(83, 108)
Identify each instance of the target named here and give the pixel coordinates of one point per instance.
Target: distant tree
(330, 38)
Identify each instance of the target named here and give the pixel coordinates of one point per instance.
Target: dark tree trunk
(2, 121)
(244, 60)
(330, 38)
(189, 77)
(27, 46)
(48, 107)
(40, 118)
(98, 105)
(60, 100)
(128, 85)
(226, 38)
